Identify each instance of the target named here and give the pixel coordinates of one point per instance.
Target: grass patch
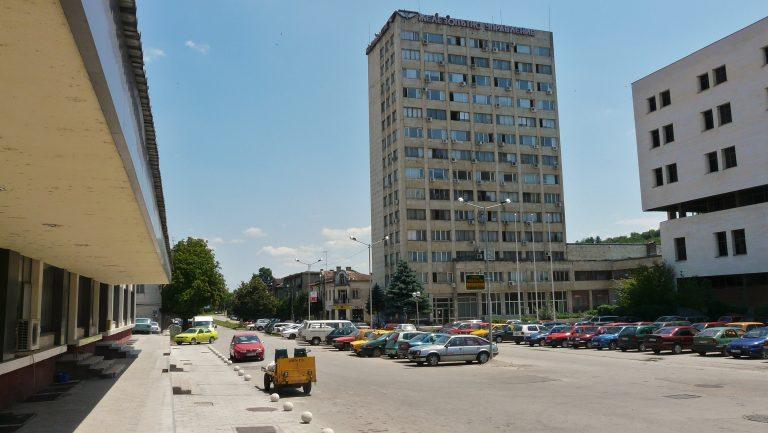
(228, 324)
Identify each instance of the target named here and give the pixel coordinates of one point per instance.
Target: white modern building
(702, 145)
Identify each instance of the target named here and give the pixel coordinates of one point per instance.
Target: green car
(374, 348)
(636, 340)
(715, 340)
(394, 340)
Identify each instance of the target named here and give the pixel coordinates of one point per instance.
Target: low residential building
(701, 125)
(295, 284)
(345, 294)
(148, 302)
(82, 218)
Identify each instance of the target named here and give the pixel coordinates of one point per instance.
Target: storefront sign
(476, 25)
(475, 281)
(313, 296)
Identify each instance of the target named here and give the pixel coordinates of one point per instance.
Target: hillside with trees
(633, 238)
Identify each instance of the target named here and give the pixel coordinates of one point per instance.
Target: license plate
(651, 339)
(735, 351)
(251, 353)
(624, 338)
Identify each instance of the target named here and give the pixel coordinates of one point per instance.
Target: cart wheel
(267, 381)
(307, 387)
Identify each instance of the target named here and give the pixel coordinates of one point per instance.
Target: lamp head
(461, 199)
(507, 201)
(353, 238)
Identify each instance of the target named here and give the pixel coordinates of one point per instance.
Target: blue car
(610, 338)
(142, 325)
(538, 337)
(752, 344)
(419, 340)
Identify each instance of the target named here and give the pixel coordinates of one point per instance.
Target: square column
(74, 286)
(120, 305)
(110, 307)
(36, 292)
(95, 294)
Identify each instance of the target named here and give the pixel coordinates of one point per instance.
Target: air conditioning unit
(517, 71)
(471, 242)
(445, 141)
(533, 108)
(554, 147)
(513, 163)
(486, 48)
(502, 183)
(455, 180)
(535, 146)
(474, 160)
(501, 144)
(555, 165)
(549, 92)
(498, 105)
(397, 201)
(523, 243)
(558, 204)
(470, 222)
(463, 84)
(441, 63)
(27, 335)
(508, 88)
(453, 140)
(495, 49)
(473, 85)
(479, 141)
(472, 66)
(479, 182)
(453, 160)
(424, 42)
(427, 79)
(535, 164)
(429, 119)
(511, 283)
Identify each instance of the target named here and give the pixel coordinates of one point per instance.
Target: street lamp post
(484, 210)
(370, 273)
(309, 294)
(417, 299)
(535, 277)
(551, 269)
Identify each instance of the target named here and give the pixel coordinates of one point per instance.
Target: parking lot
(537, 389)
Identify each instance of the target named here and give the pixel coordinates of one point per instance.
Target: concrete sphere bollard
(240, 373)
(247, 377)
(236, 368)
(326, 430)
(274, 397)
(229, 362)
(306, 417)
(287, 406)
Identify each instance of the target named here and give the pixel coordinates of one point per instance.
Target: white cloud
(302, 252)
(236, 241)
(215, 240)
(200, 48)
(254, 232)
(340, 237)
(152, 54)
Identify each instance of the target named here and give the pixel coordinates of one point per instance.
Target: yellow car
(368, 336)
(197, 336)
(484, 332)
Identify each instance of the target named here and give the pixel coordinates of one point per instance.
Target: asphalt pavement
(528, 389)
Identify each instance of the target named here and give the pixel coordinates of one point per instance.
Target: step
(113, 371)
(108, 345)
(101, 366)
(133, 353)
(94, 359)
(75, 357)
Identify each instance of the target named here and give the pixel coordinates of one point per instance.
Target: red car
(674, 338)
(704, 325)
(468, 328)
(581, 336)
(245, 346)
(345, 343)
(559, 338)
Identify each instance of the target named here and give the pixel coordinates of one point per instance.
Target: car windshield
(757, 333)
(710, 332)
(666, 331)
(628, 330)
(588, 330)
(155, 324)
(559, 329)
(190, 331)
(613, 329)
(142, 321)
(441, 339)
(247, 339)
(419, 338)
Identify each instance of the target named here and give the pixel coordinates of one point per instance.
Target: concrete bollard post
(247, 377)
(240, 373)
(274, 397)
(306, 417)
(287, 406)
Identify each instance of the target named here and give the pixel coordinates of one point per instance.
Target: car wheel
(677, 349)
(641, 347)
(291, 336)
(736, 355)
(315, 341)
(599, 347)
(656, 351)
(468, 362)
(267, 382)
(260, 328)
(419, 363)
(623, 349)
(307, 388)
(530, 344)
(391, 356)
(210, 340)
(566, 344)
(433, 359)
(612, 346)
(193, 341)
(518, 342)
(482, 357)
(376, 353)
(499, 340)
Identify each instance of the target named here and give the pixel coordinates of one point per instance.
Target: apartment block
(466, 109)
(701, 126)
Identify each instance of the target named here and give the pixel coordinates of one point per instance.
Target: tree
(649, 292)
(252, 300)
(379, 301)
(265, 275)
(399, 299)
(196, 280)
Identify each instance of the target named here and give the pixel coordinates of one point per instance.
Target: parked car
(700, 326)
(598, 320)
(340, 332)
(664, 319)
(610, 338)
(467, 348)
(502, 333)
(419, 340)
(291, 331)
(559, 337)
(672, 323)
(513, 321)
(374, 348)
(143, 325)
(278, 327)
(315, 331)
(468, 328)
(405, 327)
(539, 336)
(244, 346)
(636, 340)
(715, 339)
(519, 332)
(155, 327)
(745, 326)
(581, 336)
(346, 342)
(259, 324)
(390, 348)
(696, 319)
(731, 318)
(752, 344)
(674, 338)
(270, 327)
(196, 336)
(361, 325)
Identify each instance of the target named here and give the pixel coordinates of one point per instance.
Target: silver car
(449, 348)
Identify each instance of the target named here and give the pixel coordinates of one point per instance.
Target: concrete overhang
(74, 192)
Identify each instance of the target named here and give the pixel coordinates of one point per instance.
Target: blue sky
(261, 113)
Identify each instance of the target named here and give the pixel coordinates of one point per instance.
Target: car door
(454, 349)
(202, 335)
